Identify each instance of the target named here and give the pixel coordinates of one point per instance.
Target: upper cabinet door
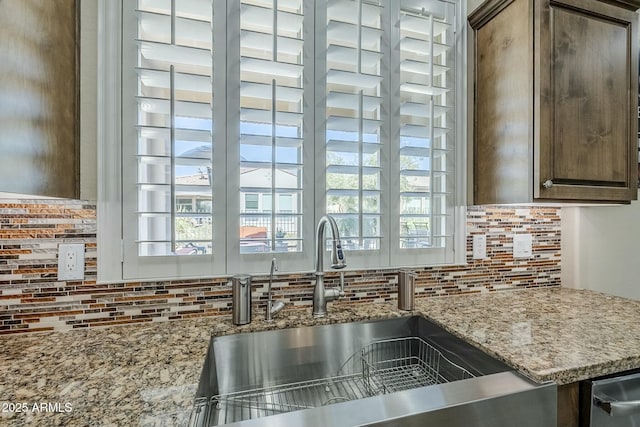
(588, 101)
(38, 98)
(555, 100)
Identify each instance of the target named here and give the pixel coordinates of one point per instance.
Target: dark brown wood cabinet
(39, 144)
(555, 101)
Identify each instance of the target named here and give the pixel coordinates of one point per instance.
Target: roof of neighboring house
(195, 179)
(250, 231)
(259, 177)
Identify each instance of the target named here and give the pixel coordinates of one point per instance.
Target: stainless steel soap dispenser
(406, 289)
(241, 299)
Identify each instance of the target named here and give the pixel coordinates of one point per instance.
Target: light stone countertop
(147, 375)
(562, 335)
(127, 376)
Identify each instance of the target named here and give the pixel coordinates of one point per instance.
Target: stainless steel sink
(396, 372)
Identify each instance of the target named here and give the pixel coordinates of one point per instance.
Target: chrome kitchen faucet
(320, 295)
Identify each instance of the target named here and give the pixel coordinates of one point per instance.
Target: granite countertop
(147, 375)
(137, 375)
(561, 335)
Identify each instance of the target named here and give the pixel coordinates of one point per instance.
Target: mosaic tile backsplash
(33, 299)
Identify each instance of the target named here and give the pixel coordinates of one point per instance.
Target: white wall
(601, 249)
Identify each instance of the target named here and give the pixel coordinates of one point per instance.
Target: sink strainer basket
(405, 363)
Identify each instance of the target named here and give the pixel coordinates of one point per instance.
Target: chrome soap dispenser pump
(241, 299)
(406, 289)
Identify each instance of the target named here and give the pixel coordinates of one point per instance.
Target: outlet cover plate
(522, 245)
(479, 246)
(71, 261)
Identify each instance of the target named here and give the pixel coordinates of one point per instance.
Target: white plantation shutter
(175, 141)
(169, 140)
(389, 130)
(268, 117)
(427, 74)
(354, 132)
(271, 122)
(246, 120)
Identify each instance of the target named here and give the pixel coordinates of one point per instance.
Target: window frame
(113, 198)
(109, 111)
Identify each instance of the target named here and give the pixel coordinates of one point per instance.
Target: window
(243, 123)
(285, 203)
(251, 202)
(184, 205)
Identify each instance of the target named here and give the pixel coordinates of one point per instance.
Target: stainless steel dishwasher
(613, 401)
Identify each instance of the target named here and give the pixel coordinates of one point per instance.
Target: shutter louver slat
(286, 46)
(260, 18)
(416, 24)
(159, 106)
(278, 69)
(351, 147)
(348, 126)
(160, 133)
(346, 34)
(351, 101)
(189, 32)
(200, 10)
(261, 140)
(422, 89)
(420, 110)
(345, 58)
(420, 67)
(186, 83)
(365, 81)
(185, 56)
(263, 91)
(417, 46)
(367, 13)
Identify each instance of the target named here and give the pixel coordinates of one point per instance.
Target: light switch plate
(71, 261)
(522, 245)
(479, 246)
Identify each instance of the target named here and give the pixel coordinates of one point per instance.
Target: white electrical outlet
(71, 261)
(479, 246)
(522, 245)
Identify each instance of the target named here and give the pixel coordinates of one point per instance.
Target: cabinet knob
(547, 184)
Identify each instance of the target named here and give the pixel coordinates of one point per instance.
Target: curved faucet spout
(337, 254)
(320, 295)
